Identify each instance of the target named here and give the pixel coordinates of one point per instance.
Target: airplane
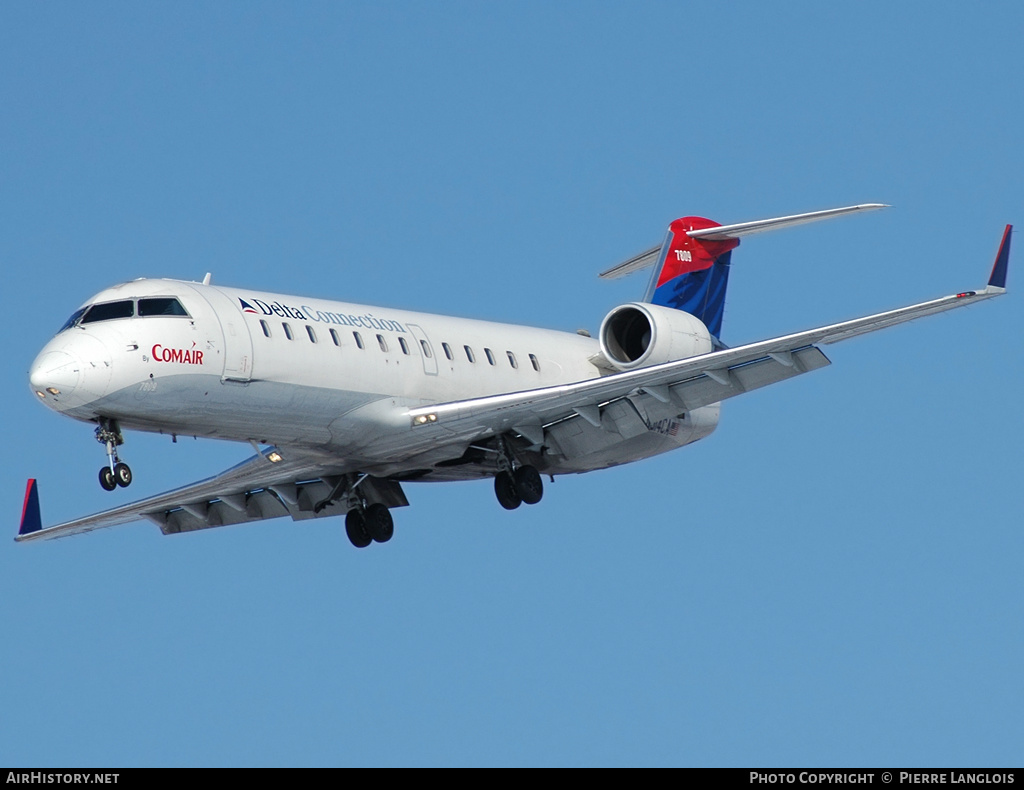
(344, 403)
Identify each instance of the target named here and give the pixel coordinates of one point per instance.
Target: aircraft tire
(529, 485)
(507, 492)
(123, 475)
(355, 528)
(379, 524)
(107, 479)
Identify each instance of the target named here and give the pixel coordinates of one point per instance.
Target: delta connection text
(307, 313)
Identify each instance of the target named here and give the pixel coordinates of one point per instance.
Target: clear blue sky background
(833, 578)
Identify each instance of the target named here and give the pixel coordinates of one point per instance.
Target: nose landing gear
(116, 472)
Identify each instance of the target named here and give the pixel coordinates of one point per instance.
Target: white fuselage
(331, 377)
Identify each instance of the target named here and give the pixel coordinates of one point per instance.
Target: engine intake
(638, 335)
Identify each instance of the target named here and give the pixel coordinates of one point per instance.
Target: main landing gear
(374, 523)
(116, 472)
(364, 523)
(515, 488)
(514, 485)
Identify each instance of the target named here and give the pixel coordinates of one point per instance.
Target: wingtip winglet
(31, 520)
(998, 277)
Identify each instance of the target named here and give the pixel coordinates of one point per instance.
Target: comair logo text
(186, 356)
(307, 313)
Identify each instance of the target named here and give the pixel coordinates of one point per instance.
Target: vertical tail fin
(692, 273)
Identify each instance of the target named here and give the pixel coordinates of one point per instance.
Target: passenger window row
(403, 345)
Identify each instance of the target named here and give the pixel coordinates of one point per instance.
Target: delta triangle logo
(247, 308)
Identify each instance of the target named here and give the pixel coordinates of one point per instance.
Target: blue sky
(832, 578)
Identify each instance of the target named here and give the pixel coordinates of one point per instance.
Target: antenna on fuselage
(207, 278)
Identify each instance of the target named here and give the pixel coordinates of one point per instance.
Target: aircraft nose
(55, 374)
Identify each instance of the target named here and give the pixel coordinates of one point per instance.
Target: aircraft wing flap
(703, 391)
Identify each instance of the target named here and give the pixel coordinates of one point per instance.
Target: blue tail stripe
(700, 293)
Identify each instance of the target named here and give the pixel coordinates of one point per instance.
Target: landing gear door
(237, 340)
(426, 350)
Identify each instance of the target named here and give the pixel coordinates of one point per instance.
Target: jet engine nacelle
(638, 335)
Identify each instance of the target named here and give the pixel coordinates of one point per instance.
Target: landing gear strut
(516, 484)
(116, 472)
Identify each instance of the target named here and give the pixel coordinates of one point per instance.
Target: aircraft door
(425, 348)
(237, 340)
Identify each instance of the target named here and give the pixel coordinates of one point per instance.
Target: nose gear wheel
(107, 480)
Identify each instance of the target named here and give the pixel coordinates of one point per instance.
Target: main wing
(689, 383)
(271, 484)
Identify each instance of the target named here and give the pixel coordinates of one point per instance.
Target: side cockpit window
(73, 320)
(163, 305)
(109, 311)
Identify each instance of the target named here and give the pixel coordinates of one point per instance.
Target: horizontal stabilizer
(723, 232)
(649, 257)
(639, 262)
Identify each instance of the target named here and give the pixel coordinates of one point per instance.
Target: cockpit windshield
(164, 305)
(153, 306)
(108, 311)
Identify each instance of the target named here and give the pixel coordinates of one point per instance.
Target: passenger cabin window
(512, 360)
(358, 338)
(335, 338)
(535, 362)
(404, 345)
(382, 343)
(311, 333)
(287, 330)
(426, 349)
(447, 351)
(163, 305)
(109, 311)
(490, 355)
(469, 354)
(266, 327)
